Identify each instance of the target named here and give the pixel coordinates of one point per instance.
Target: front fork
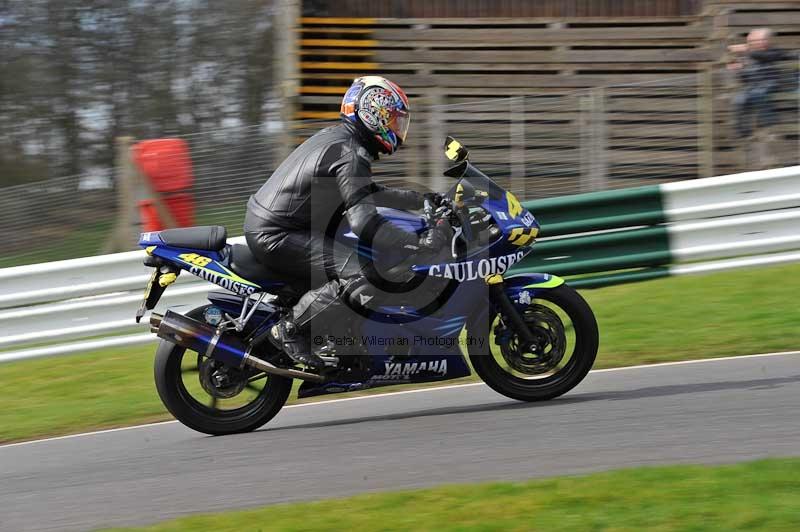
(497, 292)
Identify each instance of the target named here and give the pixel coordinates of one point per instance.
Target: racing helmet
(379, 108)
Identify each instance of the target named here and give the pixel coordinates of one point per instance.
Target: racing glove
(437, 237)
(434, 198)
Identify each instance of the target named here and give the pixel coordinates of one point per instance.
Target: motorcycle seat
(245, 264)
(206, 237)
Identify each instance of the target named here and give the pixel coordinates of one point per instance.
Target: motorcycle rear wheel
(519, 375)
(174, 372)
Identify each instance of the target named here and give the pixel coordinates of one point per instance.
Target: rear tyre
(253, 405)
(564, 322)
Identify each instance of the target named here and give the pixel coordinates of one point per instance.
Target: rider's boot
(285, 335)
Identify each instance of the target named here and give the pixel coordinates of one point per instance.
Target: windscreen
(481, 181)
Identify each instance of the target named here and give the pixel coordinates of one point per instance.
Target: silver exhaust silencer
(155, 322)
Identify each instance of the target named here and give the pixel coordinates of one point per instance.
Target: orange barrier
(167, 168)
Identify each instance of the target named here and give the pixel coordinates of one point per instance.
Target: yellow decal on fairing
(514, 206)
(553, 282)
(458, 198)
(521, 237)
(451, 150)
(226, 279)
(195, 259)
(235, 277)
(214, 276)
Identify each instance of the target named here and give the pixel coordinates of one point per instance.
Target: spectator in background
(754, 64)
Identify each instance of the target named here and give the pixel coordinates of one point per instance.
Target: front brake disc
(550, 347)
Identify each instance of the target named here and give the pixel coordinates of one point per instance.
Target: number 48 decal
(194, 258)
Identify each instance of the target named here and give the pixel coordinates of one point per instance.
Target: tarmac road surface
(708, 412)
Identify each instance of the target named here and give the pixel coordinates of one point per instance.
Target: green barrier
(599, 281)
(601, 234)
(618, 250)
(596, 211)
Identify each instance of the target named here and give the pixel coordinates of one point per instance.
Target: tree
(78, 74)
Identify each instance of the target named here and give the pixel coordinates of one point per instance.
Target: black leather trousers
(311, 263)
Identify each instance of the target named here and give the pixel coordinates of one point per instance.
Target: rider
(292, 219)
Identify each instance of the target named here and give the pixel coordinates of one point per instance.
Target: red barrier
(167, 166)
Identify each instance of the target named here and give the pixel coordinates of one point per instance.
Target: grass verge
(82, 241)
(759, 495)
(682, 318)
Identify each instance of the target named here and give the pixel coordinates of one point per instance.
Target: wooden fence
(777, 145)
(499, 8)
(649, 92)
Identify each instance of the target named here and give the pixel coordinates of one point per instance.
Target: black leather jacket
(326, 177)
(759, 69)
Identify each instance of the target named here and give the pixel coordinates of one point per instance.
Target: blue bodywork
(405, 345)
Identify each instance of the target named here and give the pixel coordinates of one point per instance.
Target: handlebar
(444, 211)
(428, 209)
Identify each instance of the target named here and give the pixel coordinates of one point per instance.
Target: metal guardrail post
(594, 141)
(517, 144)
(796, 84)
(705, 123)
(584, 137)
(436, 136)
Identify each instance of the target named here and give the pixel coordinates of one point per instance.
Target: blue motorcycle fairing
(421, 351)
(413, 223)
(523, 287)
(152, 238)
(424, 348)
(518, 230)
(212, 266)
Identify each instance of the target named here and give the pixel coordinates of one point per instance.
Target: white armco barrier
(731, 236)
(91, 316)
(52, 281)
(726, 195)
(83, 298)
(87, 276)
(747, 219)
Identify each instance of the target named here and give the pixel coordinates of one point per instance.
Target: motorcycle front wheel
(564, 351)
(209, 397)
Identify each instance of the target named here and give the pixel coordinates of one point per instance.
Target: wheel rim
(552, 354)
(214, 388)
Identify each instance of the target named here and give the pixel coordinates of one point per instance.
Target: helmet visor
(400, 123)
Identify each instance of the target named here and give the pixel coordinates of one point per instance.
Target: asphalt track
(708, 412)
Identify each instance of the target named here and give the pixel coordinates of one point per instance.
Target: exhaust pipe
(266, 367)
(217, 344)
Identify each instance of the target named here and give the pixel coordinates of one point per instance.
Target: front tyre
(209, 397)
(566, 347)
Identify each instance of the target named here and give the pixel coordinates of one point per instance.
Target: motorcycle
(528, 336)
